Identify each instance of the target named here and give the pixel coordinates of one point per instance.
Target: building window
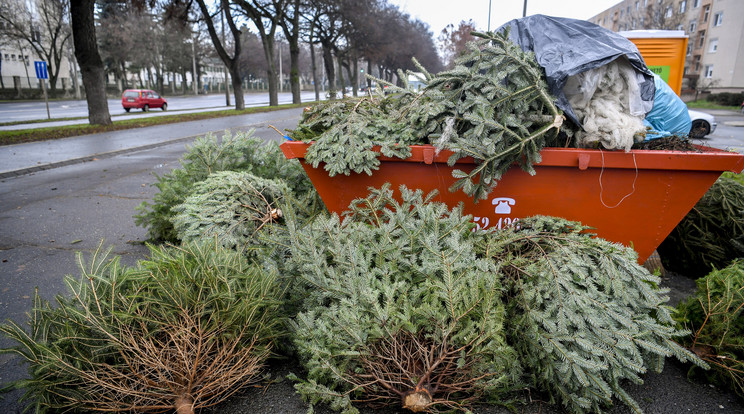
(706, 13)
(708, 71)
(637, 5)
(682, 6)
(701, 40)
(713, 46)
(693, 27)
(718, 19)
(668, 12)
(696, 3)
(689, 50)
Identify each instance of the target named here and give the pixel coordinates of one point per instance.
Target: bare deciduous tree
(266, 15)
(659, 15)
(454, 41)
(230, 58)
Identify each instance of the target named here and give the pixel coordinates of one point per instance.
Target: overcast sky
(440, 13)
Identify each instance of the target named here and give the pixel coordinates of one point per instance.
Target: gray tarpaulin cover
(566, 47)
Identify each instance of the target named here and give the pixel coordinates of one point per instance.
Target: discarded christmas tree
(183, 330)
(397, 309)
(711, 235)
(241, 152)
(494, 106)
(583, 314)
(715, 316)
(232, 207)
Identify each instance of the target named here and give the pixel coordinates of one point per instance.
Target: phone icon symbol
(503, 205)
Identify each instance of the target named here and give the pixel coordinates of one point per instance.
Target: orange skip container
(634, 198)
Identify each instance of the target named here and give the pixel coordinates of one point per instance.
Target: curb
(87, 158)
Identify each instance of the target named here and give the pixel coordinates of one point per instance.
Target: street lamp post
(194, 78)
(222, 21)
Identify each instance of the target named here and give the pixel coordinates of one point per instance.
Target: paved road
(36, 110)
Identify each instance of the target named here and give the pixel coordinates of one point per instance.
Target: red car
(142, 99)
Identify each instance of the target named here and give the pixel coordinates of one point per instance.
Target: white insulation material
(608, 103)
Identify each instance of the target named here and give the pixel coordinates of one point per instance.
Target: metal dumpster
(634, 198)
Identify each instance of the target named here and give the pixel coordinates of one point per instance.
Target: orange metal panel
(665, 56)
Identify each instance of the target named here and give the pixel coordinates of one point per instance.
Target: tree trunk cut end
(184, 405)
(417, 400)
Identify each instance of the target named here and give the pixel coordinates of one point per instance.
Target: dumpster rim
(708, 159)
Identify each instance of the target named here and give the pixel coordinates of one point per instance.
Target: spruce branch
(494, 106)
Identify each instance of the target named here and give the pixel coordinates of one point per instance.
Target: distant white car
(702, 124)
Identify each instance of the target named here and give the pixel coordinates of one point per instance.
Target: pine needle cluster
(715, 315)
(494, 106)
(231, 207)
(711, 235)
(183, 330)
(397, 285)
(241, 152)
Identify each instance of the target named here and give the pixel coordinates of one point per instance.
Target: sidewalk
(21, 159)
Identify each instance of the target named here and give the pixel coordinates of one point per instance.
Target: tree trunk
(316, 83)
(237, 83)
(353, 71)
(330, 70)
(91, 65)
(341, 83)
(369, 73)
(271, 71)
(294, 72)
(293, 36)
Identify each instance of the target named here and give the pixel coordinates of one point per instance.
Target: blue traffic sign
(41, 70)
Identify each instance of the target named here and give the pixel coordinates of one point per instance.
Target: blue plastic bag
(669, 114)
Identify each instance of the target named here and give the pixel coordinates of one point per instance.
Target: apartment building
(18, 72)
(715, 30)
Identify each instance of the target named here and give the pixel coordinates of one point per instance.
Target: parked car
(702, 124)
(143, 99)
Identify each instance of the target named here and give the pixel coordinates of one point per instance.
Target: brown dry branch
(269, 214)
(185, 367)
(419, 372)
